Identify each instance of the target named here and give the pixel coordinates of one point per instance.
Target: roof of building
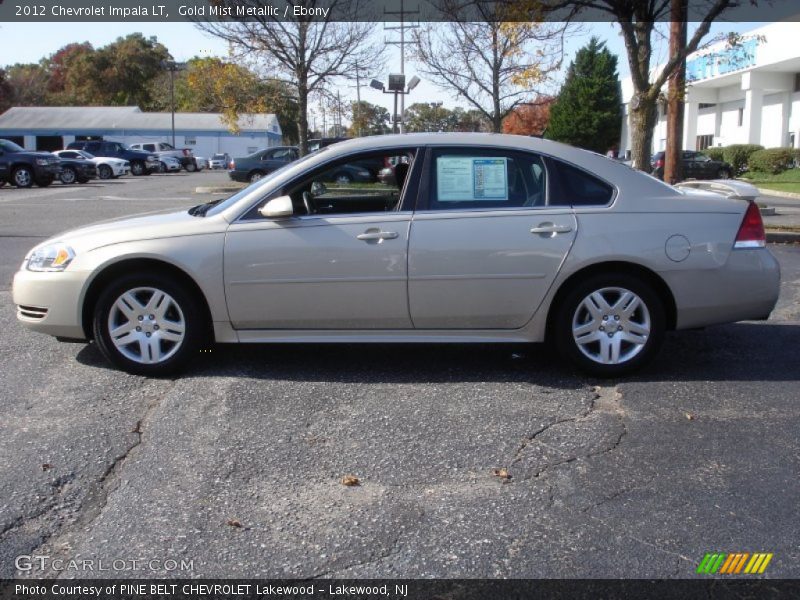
(125, 118)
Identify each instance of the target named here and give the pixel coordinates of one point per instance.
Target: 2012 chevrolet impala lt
(465, 238)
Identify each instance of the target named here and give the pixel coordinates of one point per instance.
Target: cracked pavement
(632, 478)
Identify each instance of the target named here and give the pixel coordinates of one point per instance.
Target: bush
(738, 155)
(772, 160)
(715, 153)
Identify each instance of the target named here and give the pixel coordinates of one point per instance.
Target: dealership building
(53, 127)
(745, 94)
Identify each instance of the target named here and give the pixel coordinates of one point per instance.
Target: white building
(748, 94)
(53, 127)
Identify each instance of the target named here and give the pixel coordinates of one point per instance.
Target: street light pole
(172, 66)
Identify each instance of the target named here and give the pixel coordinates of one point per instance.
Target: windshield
(219, 157)
(10, 146)
(264, 181)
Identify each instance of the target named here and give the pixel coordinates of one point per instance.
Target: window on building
(704, 141)
(797, 82)
(706, 105)
(740, 118)
(190, 140)
(791, 139)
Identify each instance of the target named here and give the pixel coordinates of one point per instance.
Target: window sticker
(465, 179)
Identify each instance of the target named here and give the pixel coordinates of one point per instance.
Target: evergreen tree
(588, 110)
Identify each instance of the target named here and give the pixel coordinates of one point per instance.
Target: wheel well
(254, 171)
(144, 265)
(659, 286)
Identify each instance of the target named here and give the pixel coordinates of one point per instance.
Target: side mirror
(277, 208)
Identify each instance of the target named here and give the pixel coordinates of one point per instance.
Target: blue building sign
(738, 57)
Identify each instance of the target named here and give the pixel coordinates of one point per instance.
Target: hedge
(715, 153)
(772, 160)
(738, 155)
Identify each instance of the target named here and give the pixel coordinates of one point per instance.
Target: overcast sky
(29, 42)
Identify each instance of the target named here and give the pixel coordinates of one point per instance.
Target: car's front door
(339, 263)
(485, 245)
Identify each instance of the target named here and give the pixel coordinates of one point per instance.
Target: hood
(146, 226)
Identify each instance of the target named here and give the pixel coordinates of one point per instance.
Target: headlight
(53, 257)
(42, 161)
(152, 158)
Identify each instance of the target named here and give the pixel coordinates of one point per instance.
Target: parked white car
(201, 162)
(169, 164)
(107, 167)
(219, 161)
(479, 238)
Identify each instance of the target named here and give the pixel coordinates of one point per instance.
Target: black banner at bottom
(395, 589)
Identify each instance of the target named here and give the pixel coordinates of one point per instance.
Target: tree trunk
(302, 116)
(673, 171)
(642, 122)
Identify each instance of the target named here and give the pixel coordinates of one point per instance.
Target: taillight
(751, 232)
(232, 166)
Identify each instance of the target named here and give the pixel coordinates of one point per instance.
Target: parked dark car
(76, 170)
(315, 144)
(350, 173)
(254, 167)
(696, 165)
(22, 168)
(142, 163)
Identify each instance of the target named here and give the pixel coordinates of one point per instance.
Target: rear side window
(579, 188)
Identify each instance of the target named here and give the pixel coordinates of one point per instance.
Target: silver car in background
(476, 238)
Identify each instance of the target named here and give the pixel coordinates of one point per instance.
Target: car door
(341, 264)
(485, 245)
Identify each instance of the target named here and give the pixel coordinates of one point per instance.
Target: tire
(104, 172)
(724, 174)
(190, 167)
(163, 167)
(255, 176)
(142, 355)
(68, 176)
(22, 177)
(625, 341)
(138, 168)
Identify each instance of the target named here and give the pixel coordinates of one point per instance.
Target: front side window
(362, 184)
(464, 179)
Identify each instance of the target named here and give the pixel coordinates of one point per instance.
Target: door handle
(369, 236)
(551, 228)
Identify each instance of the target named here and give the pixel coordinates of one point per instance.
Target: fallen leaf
(690, 416)
(46, 466)
(502, 474)
(234, 523)
(350, 480)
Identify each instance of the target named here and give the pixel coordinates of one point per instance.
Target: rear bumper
(745, 288)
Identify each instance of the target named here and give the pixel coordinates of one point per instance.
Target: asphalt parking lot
(235, 468)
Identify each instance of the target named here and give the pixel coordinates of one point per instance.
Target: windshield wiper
(201, 209)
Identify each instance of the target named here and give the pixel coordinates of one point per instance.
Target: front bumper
(50, 302)
(153, 165)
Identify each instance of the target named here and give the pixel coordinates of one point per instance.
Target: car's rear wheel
(724, 174)
(22, 177)
(610, 325)
(104, 172)
(148, 324)
(190, 167)
(255, 176)
(68, 175)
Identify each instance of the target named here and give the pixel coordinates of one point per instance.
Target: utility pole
(401, 43)
(673, 171)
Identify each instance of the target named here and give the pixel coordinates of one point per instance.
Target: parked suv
(254, 167)
(23, 168)
(142, 163)
(696, 165)
(183, 155)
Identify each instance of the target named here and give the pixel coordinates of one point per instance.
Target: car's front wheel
(148, 324)
(138, 168)
(190, 167)
(22, 177)
(610, 325)
(104, 172)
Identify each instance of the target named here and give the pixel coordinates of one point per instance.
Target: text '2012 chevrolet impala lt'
(461, 238)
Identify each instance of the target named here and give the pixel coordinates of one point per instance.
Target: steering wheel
(308, 203)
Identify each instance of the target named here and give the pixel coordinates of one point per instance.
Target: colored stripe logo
(734, 563)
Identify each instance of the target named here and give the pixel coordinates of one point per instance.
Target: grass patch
(788, 181)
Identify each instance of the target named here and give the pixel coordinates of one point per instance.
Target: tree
(28, 83)
(429, 116)
(588, 110)
(304, 52)
(491, 63)
(6, 92)
(368, 119)
(637, 21)
(529, 118)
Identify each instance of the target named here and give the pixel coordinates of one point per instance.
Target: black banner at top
(375, 10)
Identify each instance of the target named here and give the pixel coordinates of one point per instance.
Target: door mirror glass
(277, 207)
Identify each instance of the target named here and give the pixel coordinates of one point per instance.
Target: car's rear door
(484, 246)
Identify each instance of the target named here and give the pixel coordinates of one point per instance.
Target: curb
(783, 237)
(218, 189)
(766, 192)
